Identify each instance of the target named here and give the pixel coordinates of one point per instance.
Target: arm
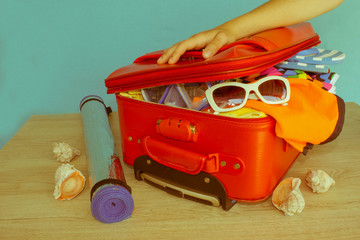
(272, 14)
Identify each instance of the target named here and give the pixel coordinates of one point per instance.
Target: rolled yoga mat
(110, 196)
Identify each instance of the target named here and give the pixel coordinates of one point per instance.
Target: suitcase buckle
(178, 129)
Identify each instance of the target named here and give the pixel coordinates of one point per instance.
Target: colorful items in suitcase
(110, 196)
(214, 158)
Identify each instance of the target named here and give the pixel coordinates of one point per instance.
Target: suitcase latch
(176, 128)
(224, 163)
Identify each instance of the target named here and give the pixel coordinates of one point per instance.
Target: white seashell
(288, 198)
(64, 152)
(319, 181)
(69, 182)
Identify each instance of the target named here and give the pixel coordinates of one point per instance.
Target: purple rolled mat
(110, 196)
(112, 204)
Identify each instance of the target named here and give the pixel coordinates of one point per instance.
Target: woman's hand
(272, 14)
(210, 41)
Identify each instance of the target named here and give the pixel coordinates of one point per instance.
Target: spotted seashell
(319, 181)
(69, 182)
(64, 153)
(288, 198)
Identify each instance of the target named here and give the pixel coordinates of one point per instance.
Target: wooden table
(28, 209)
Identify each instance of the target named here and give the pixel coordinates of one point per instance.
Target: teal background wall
(53, 53)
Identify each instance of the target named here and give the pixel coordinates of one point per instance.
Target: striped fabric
(303, 66)
(318, 56)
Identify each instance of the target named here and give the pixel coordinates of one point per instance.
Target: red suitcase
(210, 158)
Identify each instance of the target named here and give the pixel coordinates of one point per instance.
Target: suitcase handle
(191, 162)
(174, 157)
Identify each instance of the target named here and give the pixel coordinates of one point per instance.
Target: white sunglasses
(230, 96)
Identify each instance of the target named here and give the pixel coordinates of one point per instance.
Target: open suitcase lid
(244, 57)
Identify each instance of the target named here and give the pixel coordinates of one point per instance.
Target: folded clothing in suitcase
(214, 158)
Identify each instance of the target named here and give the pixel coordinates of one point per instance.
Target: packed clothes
(298, 93)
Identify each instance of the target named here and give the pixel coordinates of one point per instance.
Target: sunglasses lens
(273, 90)
(229, 96)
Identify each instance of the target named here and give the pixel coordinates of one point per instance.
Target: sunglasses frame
(248, 89)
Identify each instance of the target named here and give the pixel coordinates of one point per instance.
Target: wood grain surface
(28, 209)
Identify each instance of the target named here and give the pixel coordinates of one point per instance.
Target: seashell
(287, 196)
(69, 182)
(64, 152)
(319, 181)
